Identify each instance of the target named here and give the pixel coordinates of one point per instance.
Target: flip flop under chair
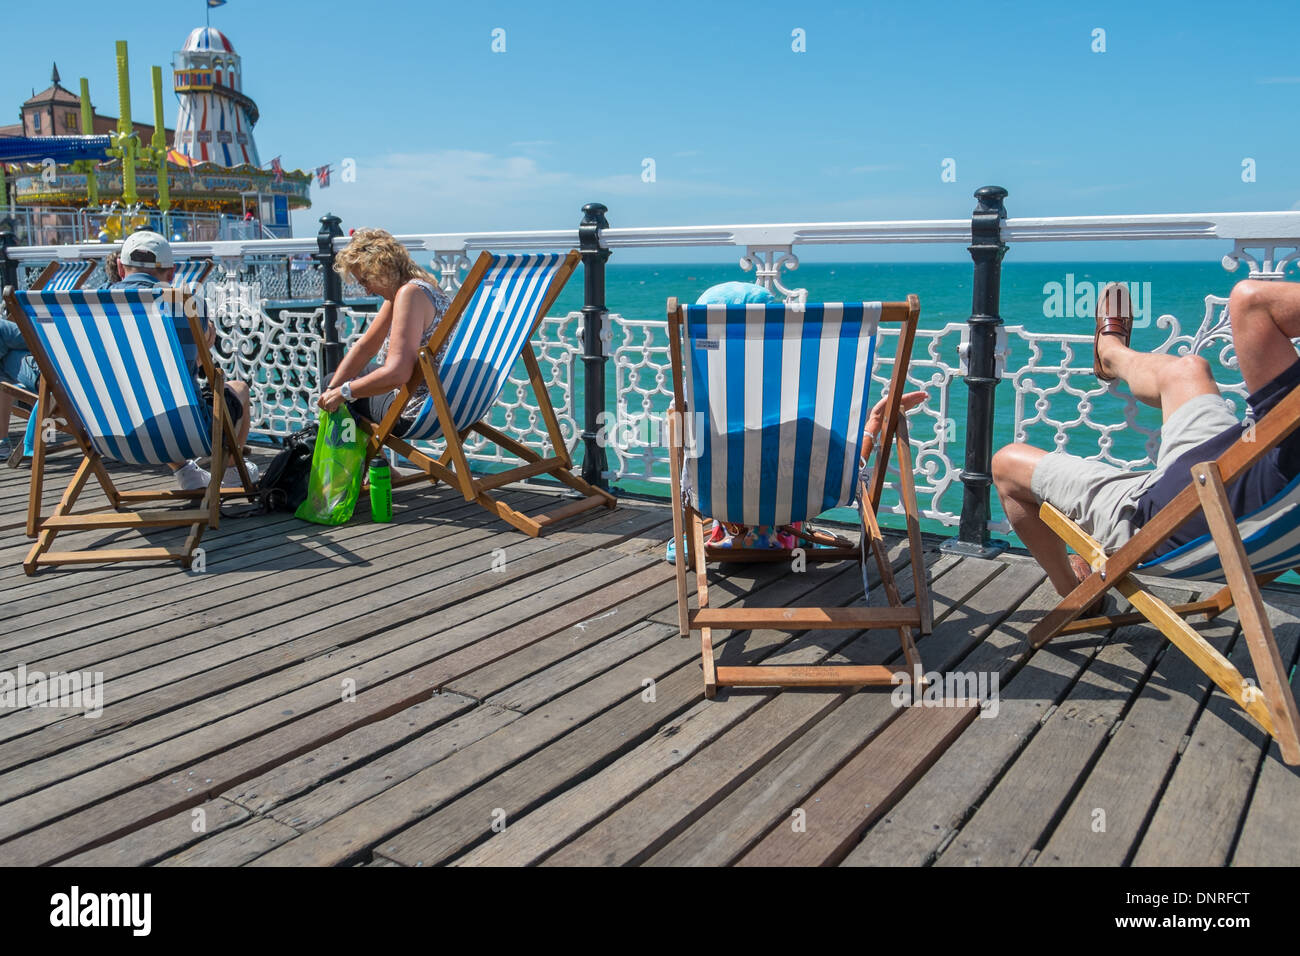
(63, 276)
(112, 361)
(1243, 552)
(778, 396)
(486, 329)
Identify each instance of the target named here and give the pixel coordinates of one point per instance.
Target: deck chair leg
(1260, 641)
(37, 489)
(912, 512)
(877, 540)
(677, 506)
(702, 590)
(1202, 653)
(70, 495)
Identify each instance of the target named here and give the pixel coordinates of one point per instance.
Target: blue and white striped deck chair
(486, 330)
(113, 363)
(1243, 552)
(771, 402)
(191, 272)
(64, 276)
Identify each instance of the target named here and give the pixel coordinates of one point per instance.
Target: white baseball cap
(148, 250)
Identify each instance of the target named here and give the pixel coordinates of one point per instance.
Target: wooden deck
(442, 689)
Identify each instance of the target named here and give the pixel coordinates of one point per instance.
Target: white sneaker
(191, 477)
(231, 477)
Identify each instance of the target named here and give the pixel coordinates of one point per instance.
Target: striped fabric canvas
(118, 356)
(67, 276)
(491, 335)
(779, 395)
(1271, 536)
(188, 272)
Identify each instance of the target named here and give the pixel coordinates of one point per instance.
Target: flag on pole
(277, 169)
(323, 176)
(216, 3)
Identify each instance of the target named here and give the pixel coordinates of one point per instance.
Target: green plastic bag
(337, 467)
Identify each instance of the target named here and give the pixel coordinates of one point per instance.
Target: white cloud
(454, 189)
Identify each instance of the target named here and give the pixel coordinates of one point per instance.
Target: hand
(876, 418)
(330, 400)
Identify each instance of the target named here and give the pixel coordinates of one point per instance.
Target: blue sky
(448, 135)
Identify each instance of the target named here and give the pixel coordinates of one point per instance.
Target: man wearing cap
(146, 262)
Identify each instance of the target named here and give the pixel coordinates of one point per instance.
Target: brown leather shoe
(1114, 317)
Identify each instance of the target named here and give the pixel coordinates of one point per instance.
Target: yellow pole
(124, 127)
(88, 129)
(160, 143)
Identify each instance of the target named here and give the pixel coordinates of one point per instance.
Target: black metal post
(8, 267)
(330, 229)
(594, 462)
(987, 250)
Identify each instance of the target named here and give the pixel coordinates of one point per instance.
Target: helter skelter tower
(215, 120)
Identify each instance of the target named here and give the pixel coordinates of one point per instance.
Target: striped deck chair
(486, 329)
(112, 360)
(778, 396)
(1242, 553)
(64, 276)
(191, 272)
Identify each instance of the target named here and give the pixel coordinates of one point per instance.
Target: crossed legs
(1265, 317)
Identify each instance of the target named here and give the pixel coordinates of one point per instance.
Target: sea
(1042, 297)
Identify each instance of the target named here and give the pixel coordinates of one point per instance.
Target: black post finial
(594, 256)
(332, 354)
(986, 250)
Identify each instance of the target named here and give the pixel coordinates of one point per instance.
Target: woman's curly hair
(374, 255)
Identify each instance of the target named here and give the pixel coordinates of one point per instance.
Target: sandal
(1114, 317)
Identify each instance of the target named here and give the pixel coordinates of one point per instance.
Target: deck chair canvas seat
(112, 362)
(769, 405)
(487, 328)
(63, 276)
(1243, 553)
(191, 272)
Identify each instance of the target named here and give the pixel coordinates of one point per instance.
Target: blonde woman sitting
(383, 359)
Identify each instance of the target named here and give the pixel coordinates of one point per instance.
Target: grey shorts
(1101, 498)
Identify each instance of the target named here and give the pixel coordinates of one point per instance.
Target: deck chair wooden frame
(1272, 703)
(127, 516)
(688, 528)
(452, 466)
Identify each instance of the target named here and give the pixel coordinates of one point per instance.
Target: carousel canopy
(61, 149)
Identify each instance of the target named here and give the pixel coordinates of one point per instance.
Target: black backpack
(284, 483)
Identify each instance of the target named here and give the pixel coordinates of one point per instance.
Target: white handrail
(1274, 227)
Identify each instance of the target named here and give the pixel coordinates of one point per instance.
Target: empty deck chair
(64, 276)
(113, 363)
(486, 329)
(1244, 553)
(771, 401)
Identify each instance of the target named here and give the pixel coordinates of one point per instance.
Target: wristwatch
(346, 391)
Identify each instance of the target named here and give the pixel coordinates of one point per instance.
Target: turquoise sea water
(1029, 298)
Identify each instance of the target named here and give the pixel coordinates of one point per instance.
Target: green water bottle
(381, 490)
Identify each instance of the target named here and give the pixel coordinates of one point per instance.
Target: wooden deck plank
(1014, 817)
(969, 600)
(261, 727)
(575, 809)
(1199, 814)
(1104, 821)
(672, 663)
(150, 844)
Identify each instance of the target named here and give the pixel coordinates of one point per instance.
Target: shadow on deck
(442, 689)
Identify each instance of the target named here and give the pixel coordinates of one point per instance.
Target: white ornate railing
(1054, 394)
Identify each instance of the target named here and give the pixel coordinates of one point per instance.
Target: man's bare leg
(1265, 318)
(1013, 472)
